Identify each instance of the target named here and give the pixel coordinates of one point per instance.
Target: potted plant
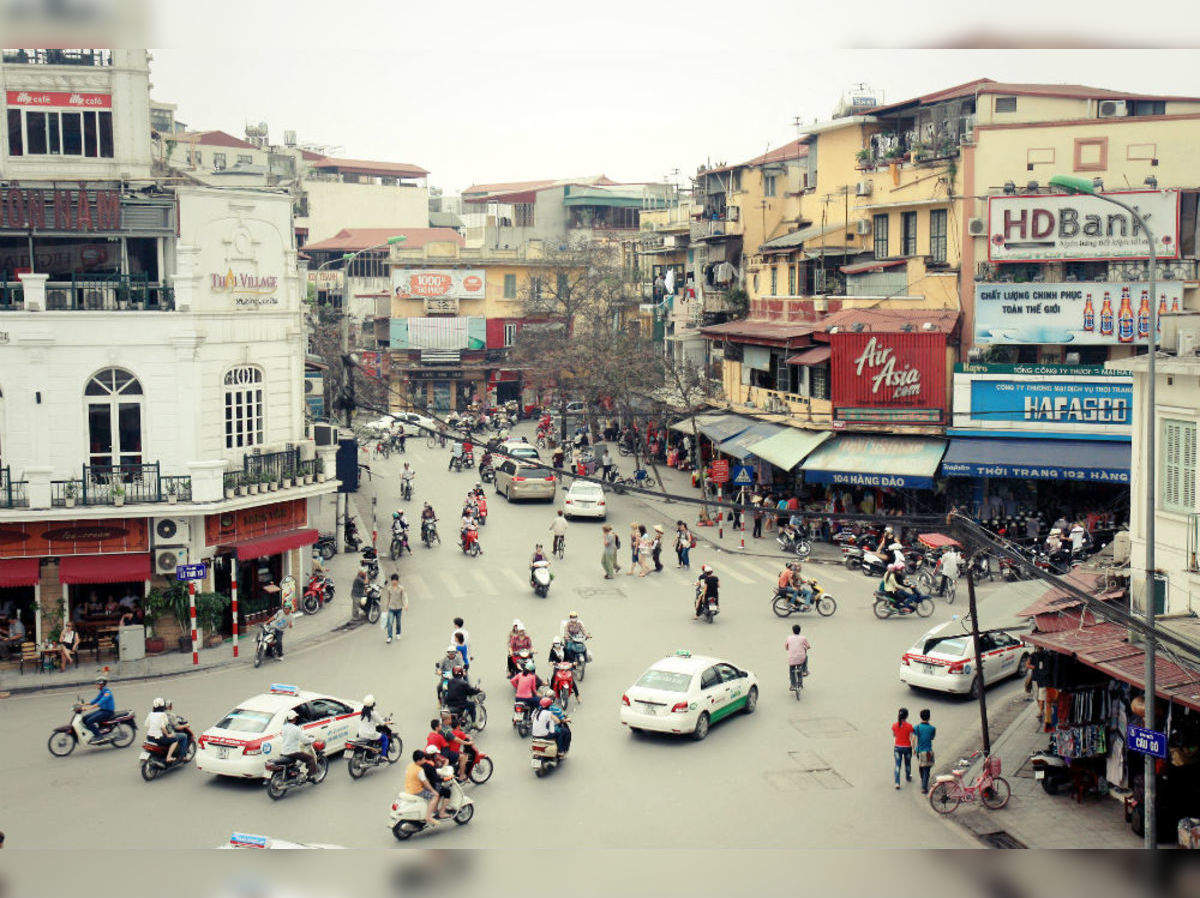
(289, 477)
(210, 614)
(172, 492)
(308, 477)
(69, 492)
(865, 158)
(155, 606)
(118, 494)
(272, 483)
(230, 487)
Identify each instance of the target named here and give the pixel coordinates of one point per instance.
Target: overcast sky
(526, 90)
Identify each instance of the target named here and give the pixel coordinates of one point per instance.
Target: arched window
(243, 407)
(114, 408)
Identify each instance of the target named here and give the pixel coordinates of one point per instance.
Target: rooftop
(350, 240)
(368, 167)
(893, 320)
(215, 139)
(796, 149)
(504, 191)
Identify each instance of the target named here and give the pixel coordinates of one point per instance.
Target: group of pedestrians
(907, 739)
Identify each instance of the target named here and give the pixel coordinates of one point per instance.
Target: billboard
(438, 283)
(439, 333)
(1077, 227)
(1080, 312)
(888, 378)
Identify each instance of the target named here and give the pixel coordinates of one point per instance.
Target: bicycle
(989, 787)
(796, 677)
(560, 546)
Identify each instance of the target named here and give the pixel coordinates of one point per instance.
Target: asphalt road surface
(795, 774)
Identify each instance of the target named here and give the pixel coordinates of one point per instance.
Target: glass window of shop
(258, 584)
(16, 602)
(77, 258)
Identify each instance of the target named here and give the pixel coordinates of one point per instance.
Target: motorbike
(399, 544)
(487, 474)
(544, 755)
(518, 660)
(1051, 771)
(468, 461)
(784, 604)
(456, 463)
(479, 767)
(800, 546)
(370, 563)
(325, 546)
(372, 603)
(118, 731)
(636, 480)
(875, 564)
(407, 816)
(885, 606)
(406, 489)
(983, 569)
(264, 645)
(363, 754)
(477, 720)
(469, 543)
(317, 593)
(286, 774)
(481, 511)
(708, 607)
(539, 578)
(561, 682)
(350, 536)
(578, 648)
(1059, 563)
(154, 756)
(522, 719)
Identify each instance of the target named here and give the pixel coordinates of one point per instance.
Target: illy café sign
(1067, 227)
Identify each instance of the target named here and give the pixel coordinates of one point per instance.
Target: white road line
(415, 585)
(487, 584)
(516, 578)
(730, 571)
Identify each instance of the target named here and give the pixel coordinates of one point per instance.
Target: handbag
(617, 537)
(925, 759)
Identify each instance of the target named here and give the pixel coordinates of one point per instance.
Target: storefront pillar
(37, 616)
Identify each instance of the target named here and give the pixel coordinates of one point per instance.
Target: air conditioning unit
(167, 560)
(862, 188)
(977, 227)
(325, 434)
(1111, 109)
(172, 531)
(732, 213)
(314, 385)
(863, 225)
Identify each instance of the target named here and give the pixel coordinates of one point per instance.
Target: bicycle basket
(992, 766)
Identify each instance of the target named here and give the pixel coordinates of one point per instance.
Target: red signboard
(234, 527)
(718, 470)
(57, 538)
(69, 99)
(889, 378)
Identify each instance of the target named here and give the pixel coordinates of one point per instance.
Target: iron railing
(176, 487)
(271, 467)
(79, 57)
(12, 492)
(12, 295)
(98, 293)
(113, 484)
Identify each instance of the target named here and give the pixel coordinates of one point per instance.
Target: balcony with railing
(116, 293)
(86, 57)
(118, 485)
(272, 471)
(12, 492)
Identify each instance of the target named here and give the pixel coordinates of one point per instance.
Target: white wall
(333, 205)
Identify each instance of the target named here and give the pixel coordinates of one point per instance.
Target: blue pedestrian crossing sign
(742, 475)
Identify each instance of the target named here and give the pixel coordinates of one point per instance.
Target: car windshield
(584, 488)
(240, 720)
(946, 645)
(665, 680)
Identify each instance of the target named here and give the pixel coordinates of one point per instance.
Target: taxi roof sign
(283, 689)
(247, 840)
(683, 653)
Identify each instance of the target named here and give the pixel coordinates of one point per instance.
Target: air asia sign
(60, 210)
(1078, 227)
(58, 99)
(1084, 401)
(1082, 312)
(443, 283)
(246, 289)
(889, 378)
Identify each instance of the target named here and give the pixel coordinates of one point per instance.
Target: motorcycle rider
(894, 586)
(885, 541)
(406, 477)
(527, 683)
(707, 587)
(572, 630)
(469, 531)
(518, 640)
(279, 622)
(545, 723)
(99, 709)
(446, 664)
(558, 527)
(293, 744)
(463, 742)
(456, 454)
(160, 730)
(556, 650)
(539, 556)
(428, 518)
(371, 727)
(457, 697)
(557, 653)
(801, 584)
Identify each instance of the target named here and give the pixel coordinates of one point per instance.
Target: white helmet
(450, 650)
(896, 547)
(705, 569)
(159, 704)
(368, 701)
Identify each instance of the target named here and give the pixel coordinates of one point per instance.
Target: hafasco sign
(60, 210)
(889, 377)
(1079, 227)
(428, 283)
(1059, 403)
(247, 289)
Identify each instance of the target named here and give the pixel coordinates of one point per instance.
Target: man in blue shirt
(100, 709)
(925, 732)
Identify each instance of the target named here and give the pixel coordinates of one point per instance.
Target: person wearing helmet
(707, 587)
(545, 724)
(897, 551)
(526, 685)
(423, 779)
(407, 474)
(457, 695)
(894, 585)
(442, 736)
(159, 730)
(371, 727)
(99, 709)
(573, 634)
(293, 744)
(518, 641)
(558, 652)
(885, 540)
(279, 622)
(399, 521)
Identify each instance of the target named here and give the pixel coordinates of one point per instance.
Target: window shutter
(1187, 466)
(1169, 474)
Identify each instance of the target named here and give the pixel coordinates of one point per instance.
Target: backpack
(692, 544)
(617, 537)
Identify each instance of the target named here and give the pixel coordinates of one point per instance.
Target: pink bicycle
(989, 787)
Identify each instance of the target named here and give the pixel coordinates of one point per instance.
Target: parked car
(944, 659)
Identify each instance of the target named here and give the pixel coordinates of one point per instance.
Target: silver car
(521, 480)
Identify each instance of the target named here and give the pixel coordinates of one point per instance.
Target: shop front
(782, 454)
(873, 474)
(739, 449)
(261, 546)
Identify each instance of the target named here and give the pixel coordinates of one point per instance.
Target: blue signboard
(741, 475)
(1092, 461)
(1055, 402)
(1148, 742)
(191, 572)
(852, 478)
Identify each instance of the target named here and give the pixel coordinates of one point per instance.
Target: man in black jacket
(458, 696)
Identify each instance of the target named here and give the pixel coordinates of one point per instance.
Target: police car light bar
(284, 689)
(247, 840)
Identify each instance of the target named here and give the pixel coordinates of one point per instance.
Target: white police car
(241, 741)
(686, 693)
(944, 659)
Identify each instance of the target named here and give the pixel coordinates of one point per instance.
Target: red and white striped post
(192, 615)
(233, 600)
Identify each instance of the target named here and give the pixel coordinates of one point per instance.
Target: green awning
(876, 461)
(744, 443)
(728, 426)
(787, 449)
(616, 197)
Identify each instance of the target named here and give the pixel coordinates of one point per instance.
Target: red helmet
(546, 702)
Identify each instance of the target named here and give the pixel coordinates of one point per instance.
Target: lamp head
(1071, 184)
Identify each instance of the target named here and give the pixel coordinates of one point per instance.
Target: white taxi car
(944, 659)
(686, 693)
(240, 743)
(585, 499)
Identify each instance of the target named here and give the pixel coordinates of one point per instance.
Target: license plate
(144, 756)
(222, 752)
(1039, 774)
(928, 668)
(535, 764)
(649, 709)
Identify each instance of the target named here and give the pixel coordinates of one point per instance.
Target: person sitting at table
(111, 608)
(68, 644)
(133, 615)
(93, 605)
(15, 631)
(128, 600)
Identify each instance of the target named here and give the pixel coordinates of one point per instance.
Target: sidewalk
(305, 629)
(1032, 818)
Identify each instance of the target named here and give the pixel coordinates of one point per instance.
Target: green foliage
(210, 610)
(739, 302)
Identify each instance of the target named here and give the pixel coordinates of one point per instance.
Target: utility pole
(974, 612)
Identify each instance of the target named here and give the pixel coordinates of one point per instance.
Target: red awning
(128, 567)
(814, 356)
(864, 267)
(273, 545)
(19, 571)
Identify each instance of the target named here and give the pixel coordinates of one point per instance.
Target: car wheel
(751, 700)
(701, 730)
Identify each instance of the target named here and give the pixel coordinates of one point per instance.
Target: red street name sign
(718, 471)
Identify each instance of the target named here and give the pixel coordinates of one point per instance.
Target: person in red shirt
(443, 737)
(902, 735)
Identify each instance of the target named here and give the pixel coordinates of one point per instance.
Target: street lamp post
(1093, 188)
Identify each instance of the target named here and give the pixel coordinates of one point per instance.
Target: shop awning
(728, 426)
(787, 449)
(128, 567)
(741, 446)
(1099, 461)
(273, 545)
(876, 461)
(684, 425)
(19, 571)
(814, 356)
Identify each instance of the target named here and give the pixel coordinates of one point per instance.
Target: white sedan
(585, 499)
(686, 693)
(241, 741)
(944, 659)
(416, 424)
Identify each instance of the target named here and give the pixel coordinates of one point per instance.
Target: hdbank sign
(1086, 401)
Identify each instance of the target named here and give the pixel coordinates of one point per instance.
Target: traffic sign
(1148, 742)
(718, 470)
(191, 572)
(743, 475)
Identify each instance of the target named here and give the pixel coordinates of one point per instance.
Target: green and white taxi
(686, 693)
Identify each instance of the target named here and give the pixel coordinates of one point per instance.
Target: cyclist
(558, 527)
(797, 648)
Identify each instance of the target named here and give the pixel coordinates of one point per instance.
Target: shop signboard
(373, 364)
(287, 591)
(62, 99)
(1147, 742)
(43, 209)
(326, 279)
(1082, 313)
(438, 283)
(438, 333)
(228, 528)
(248, 289)
(36, 539)
(718, 470)
(888, 377)
(1078, 227)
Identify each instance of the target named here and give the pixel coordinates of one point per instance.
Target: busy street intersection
(809, 772)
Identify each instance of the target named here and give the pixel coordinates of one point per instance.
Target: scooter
(470, 544)
(350, 536)
(481, 511)
(405, 489)
(544, 755)
(371, 603)
(578, 649)
(370, 563)
(286, 774)
(407, 816)
(874, 564)
(399, 544)
(477, 720)
(885, 606)
(118, 731)
(800, 546)
(317, 593)
(517, 661)
(1051, 771)
(325, 546)
(154, 756)
(561, 683)
(264, 645)
(784, 605)
(429, 533)
(363, 754)
(487, 474)
(540, 577)
(522, 719)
